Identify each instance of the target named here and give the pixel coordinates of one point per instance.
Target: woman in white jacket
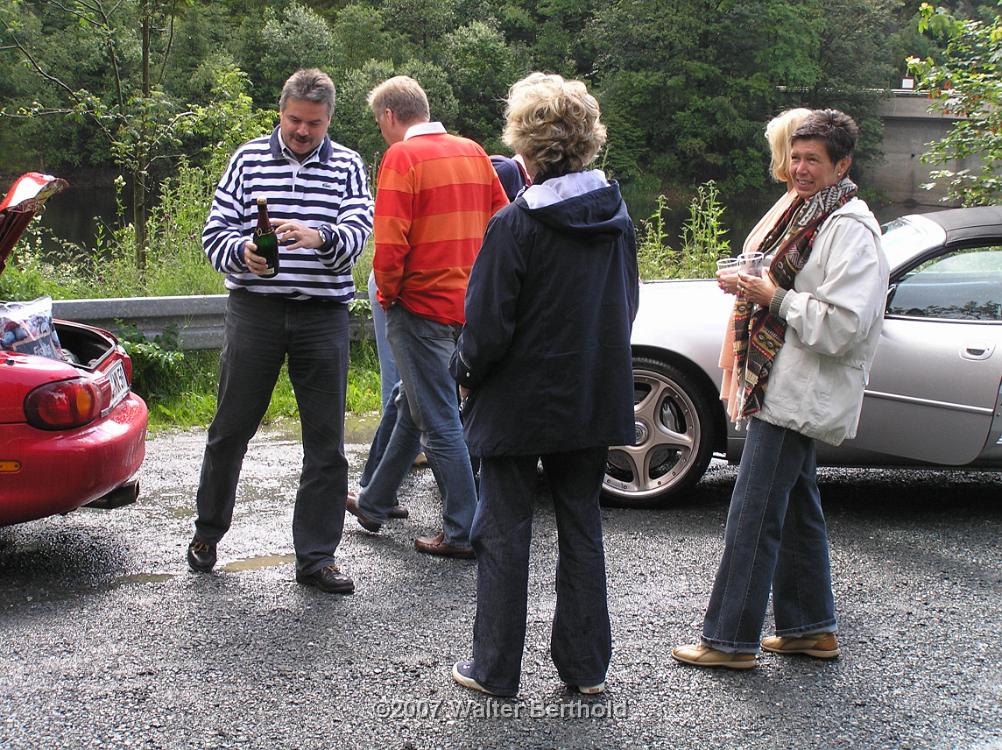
(805, 336)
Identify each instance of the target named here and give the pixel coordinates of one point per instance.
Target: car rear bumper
(60, 471)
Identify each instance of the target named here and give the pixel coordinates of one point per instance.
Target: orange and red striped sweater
(434, 197)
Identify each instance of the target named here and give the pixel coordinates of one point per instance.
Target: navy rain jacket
(549, 309)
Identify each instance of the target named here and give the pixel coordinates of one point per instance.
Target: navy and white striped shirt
(328, 191)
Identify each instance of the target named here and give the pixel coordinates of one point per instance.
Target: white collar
(424, 128)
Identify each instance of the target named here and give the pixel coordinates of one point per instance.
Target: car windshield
(906, 237)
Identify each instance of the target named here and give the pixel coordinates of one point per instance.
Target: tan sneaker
(700, 655)
(818, 645)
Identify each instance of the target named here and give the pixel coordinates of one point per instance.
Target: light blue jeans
(427, 415)
(775, 538)
(389, 379)
(388, 375)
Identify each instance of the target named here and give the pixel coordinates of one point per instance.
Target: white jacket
(834, 314)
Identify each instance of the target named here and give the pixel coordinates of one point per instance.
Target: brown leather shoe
(435, 545)
(700, 655)
(818, 645)
(351, 505)
(398, 511)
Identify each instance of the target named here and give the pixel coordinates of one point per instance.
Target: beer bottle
(265, 237)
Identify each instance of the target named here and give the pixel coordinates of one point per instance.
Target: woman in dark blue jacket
(544, 363)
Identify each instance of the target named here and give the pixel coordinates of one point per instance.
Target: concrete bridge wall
(908, 127)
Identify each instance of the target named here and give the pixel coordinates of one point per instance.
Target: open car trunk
(84, 346)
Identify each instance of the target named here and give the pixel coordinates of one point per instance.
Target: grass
(190, 400)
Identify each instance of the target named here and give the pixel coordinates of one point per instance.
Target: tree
(687, 86)
(966, 83)
(131, 112)
(481, 69)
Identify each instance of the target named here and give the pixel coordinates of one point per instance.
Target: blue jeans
(775, 538)
(389, 379)
(388, 375)
(261, 332)
(581, 638)
(427, 417)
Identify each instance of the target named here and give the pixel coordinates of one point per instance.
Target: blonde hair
(553, 123)
(779, 133)
(403, 96)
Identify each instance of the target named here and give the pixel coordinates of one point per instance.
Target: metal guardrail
(198, 320)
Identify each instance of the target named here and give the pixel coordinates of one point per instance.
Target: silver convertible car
(933, 398)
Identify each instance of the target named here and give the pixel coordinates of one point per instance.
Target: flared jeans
(775, 539)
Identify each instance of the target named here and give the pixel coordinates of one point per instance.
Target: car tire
(675, 429)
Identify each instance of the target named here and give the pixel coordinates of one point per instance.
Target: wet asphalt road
(106, 640)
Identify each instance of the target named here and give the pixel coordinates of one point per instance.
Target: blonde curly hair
(553, 123)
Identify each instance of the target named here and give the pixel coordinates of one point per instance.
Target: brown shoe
(435, 545)
(700, 655)
(351, 505)
(818, 645)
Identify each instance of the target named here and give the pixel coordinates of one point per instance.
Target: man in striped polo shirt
(434, 197)
(319, 203)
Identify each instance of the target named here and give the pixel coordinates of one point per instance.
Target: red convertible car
(72, 433)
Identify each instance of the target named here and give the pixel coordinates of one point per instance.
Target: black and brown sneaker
(201, 556)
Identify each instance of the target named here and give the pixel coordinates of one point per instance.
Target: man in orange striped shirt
(434, 197)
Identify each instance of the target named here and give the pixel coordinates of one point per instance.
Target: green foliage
(297, 37)
(363, 379)
(703, 240)
(189, 399)
(30, 272)
(686, 86)
(965, 84)
(654, 256)
(157, 364)
(482, 68)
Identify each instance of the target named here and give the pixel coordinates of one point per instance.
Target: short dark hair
(836, 129)
(311, 85)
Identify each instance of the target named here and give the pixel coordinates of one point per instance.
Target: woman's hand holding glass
(756, 287)
(727, 274)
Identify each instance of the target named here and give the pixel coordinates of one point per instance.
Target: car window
(959, 285)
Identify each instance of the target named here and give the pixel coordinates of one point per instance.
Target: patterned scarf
(758, 334)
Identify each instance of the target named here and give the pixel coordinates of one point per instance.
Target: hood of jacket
(858, 210)
(583, 204)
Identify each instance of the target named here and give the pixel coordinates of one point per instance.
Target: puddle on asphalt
(256, 563)
(358, 428)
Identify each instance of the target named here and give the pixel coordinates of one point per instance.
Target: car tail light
(63, 405)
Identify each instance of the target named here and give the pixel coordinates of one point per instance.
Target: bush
(703, 240)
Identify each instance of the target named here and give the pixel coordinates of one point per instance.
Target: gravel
(107, 641)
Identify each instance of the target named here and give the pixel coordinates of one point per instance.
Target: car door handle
(977, 351)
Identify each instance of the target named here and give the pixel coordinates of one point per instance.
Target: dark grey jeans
(581, 638)
(261, 332)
